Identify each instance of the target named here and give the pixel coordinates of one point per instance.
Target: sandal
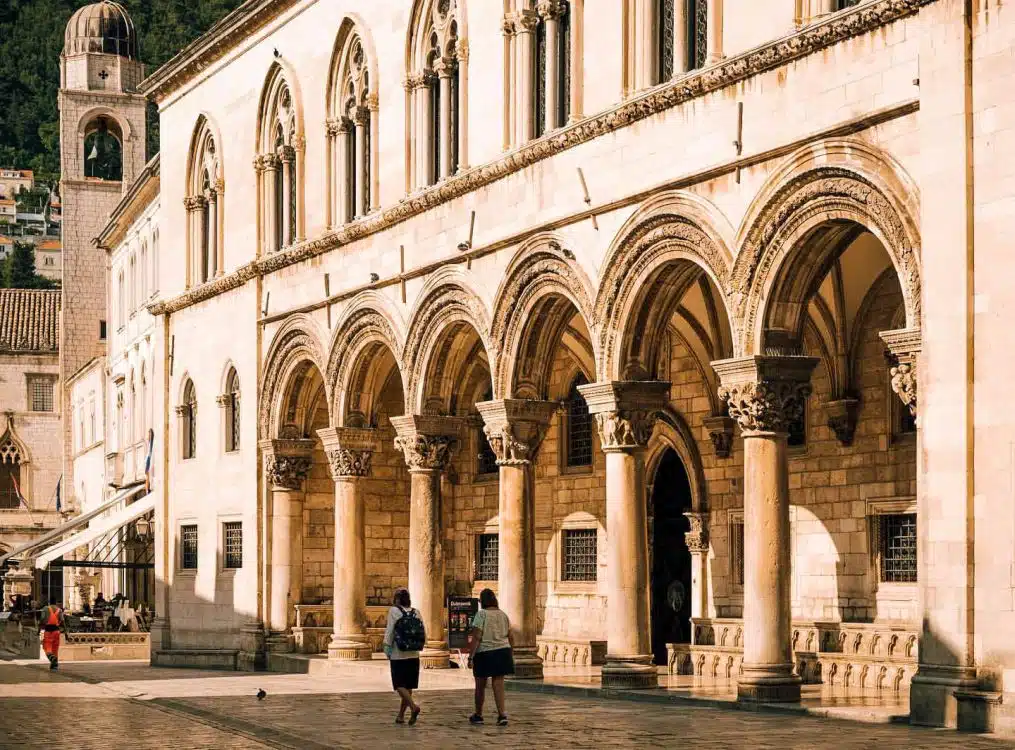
(502, 720)
(415, 715)
(475, 719)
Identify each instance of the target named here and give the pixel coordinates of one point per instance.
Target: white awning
(97, 528)
(75, 523)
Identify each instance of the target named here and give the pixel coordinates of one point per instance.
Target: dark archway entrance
(670, 558)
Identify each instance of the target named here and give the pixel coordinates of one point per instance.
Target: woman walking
(490, 651)
(403, 638)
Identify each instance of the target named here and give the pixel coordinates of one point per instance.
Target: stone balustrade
(571, 652)
(315, 625)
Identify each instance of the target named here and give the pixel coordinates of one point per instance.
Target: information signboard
(461, 610)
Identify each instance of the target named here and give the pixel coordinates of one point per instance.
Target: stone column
(462, 53)
(288, 156)
(425, 138)
(349, 452)
(646, 25)
(577, 28)
(192, 205)
(213, 234)
(508, 30)
(681, 54)
(362, 123)
(444, 67)
(515, 429)
(525, 38)
(765, 394)
(286, 467)
(697, 545)
(550, 11)
(426, 443)
(271, 165)
(220, 197)
(374, 152)
(714, 30)
(625, 413)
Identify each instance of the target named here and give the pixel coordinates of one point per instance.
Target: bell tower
(102, 150)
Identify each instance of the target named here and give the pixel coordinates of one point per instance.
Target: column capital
(266, 162)
(287, 462)
(195, 202)
(516, 427)
(286, 154)
(904, 347)
(720, 432)
(765, 393)
(625, 411)
(697, 537)
(361, 116)
(349, 450)
(548, 9)
(426, 441)
(444, 67)
(526, 21)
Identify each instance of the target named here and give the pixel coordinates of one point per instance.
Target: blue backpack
(410, 634)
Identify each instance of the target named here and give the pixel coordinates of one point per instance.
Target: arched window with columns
(555, 66)
(436, 92)
(187, 412)
(205, 207)
(667, 38)
(352, 127)
(280, 163)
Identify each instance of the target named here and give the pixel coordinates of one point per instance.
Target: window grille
(579, 427)
(698, 32)
(580, 555)
(737, 552)
(40, 393)
(897, 547)
(291, 166)
(188, 547)
(540, 93)
(564, 64)
(233, 543)
(666, 40)
(487, 459)
(487, 551)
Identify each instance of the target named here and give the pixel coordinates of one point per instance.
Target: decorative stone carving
(348, 463)
(427, 442)
(697, 537)
(293, 343)
(286, 154)
(515, 428)
(841, 416)
(195, 202)
(904, 384)
(625, 411)
(286, 472)
(904, 347)
(720, 432)
(349, 450)
(777, 54)
(765, 394)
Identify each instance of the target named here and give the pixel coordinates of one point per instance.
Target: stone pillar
(462, 53)
(515, 429)
(681, 53)
(764, 395)
(213, 234)
(444, 67)
(550, 11)
(349, 452)
(697, 545)
(362, 125)
(287, 465)
(524, 98)
(271, 164)
(508, 30)
(625, 413)
(715, 53)
(220, 197)
(288, 156)
(577, 28)
(374, 152)
(426, 443)
(647, 55)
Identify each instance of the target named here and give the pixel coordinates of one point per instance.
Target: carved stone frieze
(765, 394)
(290, 347)
(697, 537)
(860, 20)
(841, 418)
(625, 411)
(720, 432)
(515, 428)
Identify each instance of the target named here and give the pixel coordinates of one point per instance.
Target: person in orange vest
(52, 624)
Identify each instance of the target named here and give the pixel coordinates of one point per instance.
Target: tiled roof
(48, 245)
(29, 320)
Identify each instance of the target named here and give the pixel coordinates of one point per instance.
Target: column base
(932, 700)
(280, 643)
(349, 648)
(528, 665)
(769, 684)
(630, 672)
(251, 657)
(435, 657)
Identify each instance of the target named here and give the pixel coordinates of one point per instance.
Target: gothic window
(232, 406)
(103, 150)
(132, 420)
(697, 32)
(667, 30)
(580, 555)
(280, 163)
(578, 446)
(487, 557)
(91, 420)
(121, 300)
(188, 421)
(143, 406)
(552, 71)
(143, 273)
(352, 128)
(10, 475)
(435, 78)
(205, 205)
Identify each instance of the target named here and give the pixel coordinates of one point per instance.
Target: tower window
(103, 150)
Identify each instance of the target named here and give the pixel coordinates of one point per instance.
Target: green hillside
(31, 39)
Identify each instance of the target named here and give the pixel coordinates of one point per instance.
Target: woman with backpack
(491, 654)
(403, 639)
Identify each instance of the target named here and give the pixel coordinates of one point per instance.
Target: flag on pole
(148, 467)
(58, 505)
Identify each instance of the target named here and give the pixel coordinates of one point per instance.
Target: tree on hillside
(18, 270)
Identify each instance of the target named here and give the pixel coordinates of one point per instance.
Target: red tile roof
(29, 320)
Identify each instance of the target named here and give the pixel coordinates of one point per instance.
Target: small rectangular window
(40, 393)
(102, 330)
(188, 547)
(737, 552)
(233, 544)
(487, 557)
(580, 555)
(897, 547)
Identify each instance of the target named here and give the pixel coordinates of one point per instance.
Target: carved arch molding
(289, 348)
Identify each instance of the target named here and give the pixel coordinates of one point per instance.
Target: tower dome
(103, 27)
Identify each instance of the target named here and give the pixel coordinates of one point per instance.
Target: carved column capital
(697, 537)
(426, 442)
(516, 428)
(287, 463)
(625, 411)
(361, 116)
(266, 162)
(904, 347)
(526, 21)
(841, 418)
(550, 9)
(195, 202)
(349, 450)
(720, 432)
(286, 154)
(444, 67)
(763, 393)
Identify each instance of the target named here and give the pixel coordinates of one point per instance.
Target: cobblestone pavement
(104, 705)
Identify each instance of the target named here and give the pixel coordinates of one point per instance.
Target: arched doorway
(670, 564)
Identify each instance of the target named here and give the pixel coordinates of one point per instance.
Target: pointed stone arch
(672, 432)
(543, 286)
(298, 340)
(820, 196)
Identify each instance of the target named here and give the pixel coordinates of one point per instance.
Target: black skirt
(496, 663)
(405, 673)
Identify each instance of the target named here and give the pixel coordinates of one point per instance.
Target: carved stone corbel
(697, 537)
(841, 418)
(904, 347)
(720, 432)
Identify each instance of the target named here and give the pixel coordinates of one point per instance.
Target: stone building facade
(680, 325)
